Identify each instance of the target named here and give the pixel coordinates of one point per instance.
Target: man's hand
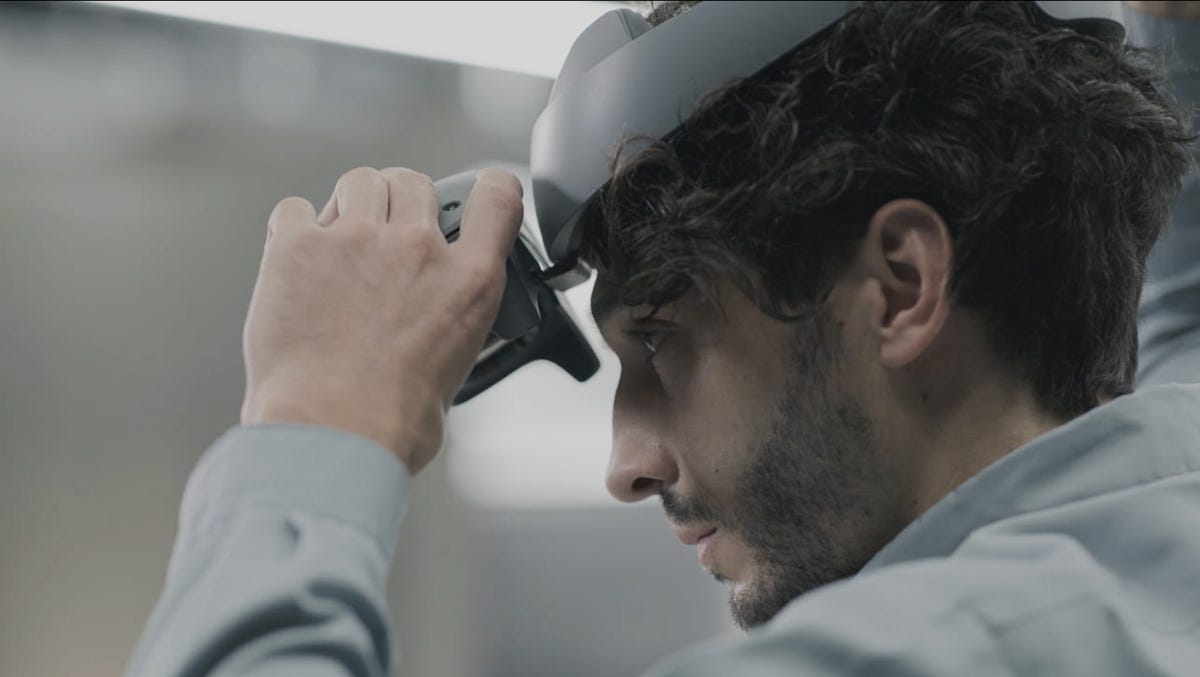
(365, 319)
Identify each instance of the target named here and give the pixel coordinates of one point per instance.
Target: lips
(693, 534)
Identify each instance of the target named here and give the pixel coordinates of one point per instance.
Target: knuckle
(364, 175)
(411, 246)
(283, 210)
(404, 174)
(485, 279)
(412, 183)
(420, 245)
(292, 202)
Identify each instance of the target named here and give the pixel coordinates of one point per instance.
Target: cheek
(719, 422)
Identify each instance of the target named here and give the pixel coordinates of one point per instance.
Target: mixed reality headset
(624, 79)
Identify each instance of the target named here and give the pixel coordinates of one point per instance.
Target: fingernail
(494, 174)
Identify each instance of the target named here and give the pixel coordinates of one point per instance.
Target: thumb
(493, 215)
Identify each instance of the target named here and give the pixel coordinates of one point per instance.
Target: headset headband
(624, 78)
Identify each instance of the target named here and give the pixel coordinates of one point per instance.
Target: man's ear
(909, 251)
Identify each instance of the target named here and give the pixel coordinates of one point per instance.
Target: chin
(750, 607)
(745, 613)
(756, 601)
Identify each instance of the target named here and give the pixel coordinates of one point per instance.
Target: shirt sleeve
(1169, 319)
(286, 534)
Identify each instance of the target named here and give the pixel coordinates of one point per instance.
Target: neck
(951, 435)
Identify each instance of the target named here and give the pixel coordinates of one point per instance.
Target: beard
(812, 505)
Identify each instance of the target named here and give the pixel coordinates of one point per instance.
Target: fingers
(406, 199)
(394, 195)
(362, 194)
(291, 213)
(412, 199)
(329, 212)
(493, 214)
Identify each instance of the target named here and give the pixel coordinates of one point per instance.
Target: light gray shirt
(1077, 554)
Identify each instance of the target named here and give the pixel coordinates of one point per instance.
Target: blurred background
(139, 158)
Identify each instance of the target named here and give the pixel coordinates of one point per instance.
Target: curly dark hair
(1053, 157)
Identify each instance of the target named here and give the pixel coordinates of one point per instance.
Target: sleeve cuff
(298, 467)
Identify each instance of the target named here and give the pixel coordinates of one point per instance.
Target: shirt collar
(1135, 439)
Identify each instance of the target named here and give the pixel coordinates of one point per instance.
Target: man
(876, 316)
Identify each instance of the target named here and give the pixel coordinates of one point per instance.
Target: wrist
(410, 430)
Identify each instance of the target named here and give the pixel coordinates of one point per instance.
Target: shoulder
(1023, 606)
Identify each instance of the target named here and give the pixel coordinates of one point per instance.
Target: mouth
(693, 535)
(703, 551)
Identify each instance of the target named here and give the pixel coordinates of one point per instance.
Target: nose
(641, 463)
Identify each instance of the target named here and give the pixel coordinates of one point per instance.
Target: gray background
(139, 158)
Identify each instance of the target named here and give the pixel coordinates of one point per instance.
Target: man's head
(850, 282)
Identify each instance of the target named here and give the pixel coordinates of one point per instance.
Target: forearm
(286, 536)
